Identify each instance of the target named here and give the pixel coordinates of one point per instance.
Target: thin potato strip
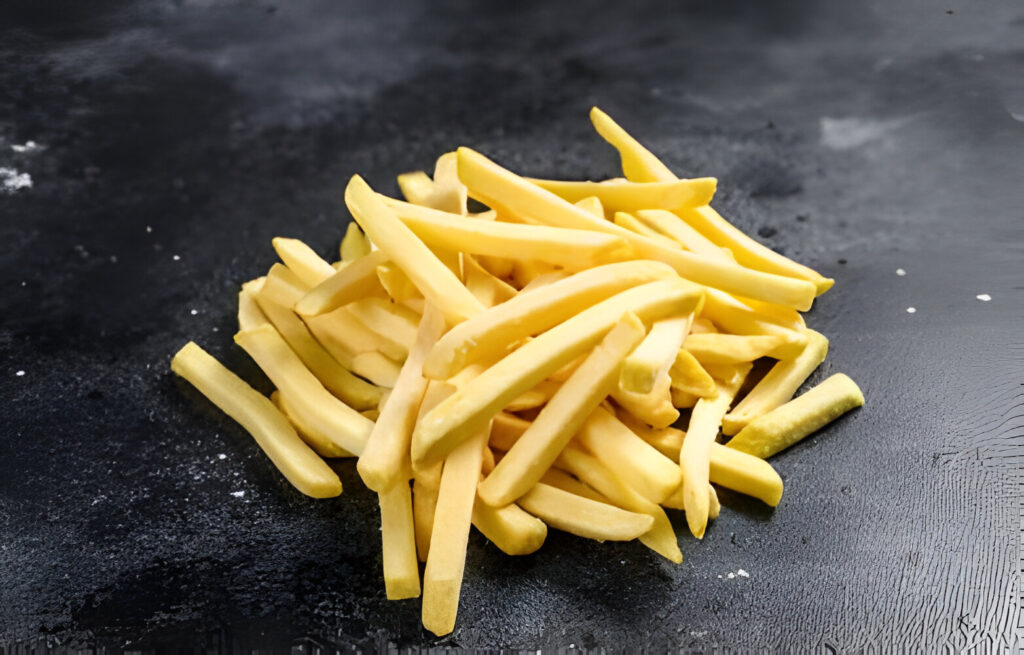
(489, 334)
(254, 412)
(666, 441)
(655, 354)
(376, 367)
(487, 288)
(633, 224)
(555, 477)
(638, 163)
(778, 385)
(694, 457)
(789, 423)
(654, 407)
(344, 336)
(323, 414)
(689, 376)
(427, 480)
(395, 324)
(354, 244)
(739, 318)
(633, 196)
(714, 507)
(684, 399)
(249, 313)
(506, 430)
(525, 271)
(469, 408)
(416, 187)
(670, 225)
(398, 543)
(584, 517)
(357, 280)
(302, 260)
(591, 204)
(320, 446)
(732, 348)
(537, 448)
(535, 397)
(396, 283)
(449, 192)
(747, 474)
(513, 530)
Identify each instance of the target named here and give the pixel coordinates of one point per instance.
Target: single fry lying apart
(398, 543)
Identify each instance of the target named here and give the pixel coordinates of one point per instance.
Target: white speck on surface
(911, 310)
(113, 259)
(222, 456)
(216, 329)
(194, 312)
(20, 374)
(622, 561)
(28, 146)
(719, 576)
(742, 573)
(149, 228)
(13, 181)
(731, 575)
(699, 633)
(238, 494)
(24, 284)
(849, 133)
(900, 272)
(983, 297)
(176, 258)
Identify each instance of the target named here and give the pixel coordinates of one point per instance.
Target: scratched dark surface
(175, 139)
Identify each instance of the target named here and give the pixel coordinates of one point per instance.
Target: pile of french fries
(523, 368)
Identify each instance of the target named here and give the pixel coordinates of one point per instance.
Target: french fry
(376, 367)
(508, 192)
(591, 204)
(525, 271)
(489, 335)
(449, 192)
(694, 457)
(632, 196)
(469, 408)
(654, 407)
(671, 226)
(714, 507)
(732, 348)
(778, 385)
(254, 412)
(487, 288)
(249, 313)
(638, 463)
(302, 261)
(689, 376)
(395, 324)
(558, 478)
(702, 325)
(446, 561)
(398, 543)
(384, 463)
(789, 423)
(747, 474)
(323, 414)
(275, 299)
(506, 430)
(320, 446)
(510, 528)
(740, 318)
(537, 448)
(638, 164)
(584, 517)
(684, 399)
(353, 245)
(667, 441)
(631, 223)
(535, 397)
(357, 280)
(416, 187)
(571, 249)
(344, 336)
(655, 354)
(427, 480)
(396, 283)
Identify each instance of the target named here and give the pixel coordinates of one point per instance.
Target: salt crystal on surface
(222, 456)
(20, 374)
(194, 312)
(900, 272)
(29, 146)
(731, 576)
(911, 310)
(983, 297)
(743, 573)
(176, 258)
(149, 229)
(11, 180)
(238, 494)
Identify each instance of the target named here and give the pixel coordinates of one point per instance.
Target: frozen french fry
(398, 543)
(427, 480)
(778, 385)
(591, 204)
(714, 507)
(510, 528)
(354, 244)
(667, 441)
(558, 478)
(249, 313)
(394, 323)
(487, 288)
(344, 336)
(416, 187)
(689, 376)
(694, 457)
(638, 163)
(684, 399)
(739, 318)
(535, 397)
(357, 280)
(376, 367)
(654, 407)
(322, 413)
(584, 517)
(505, 430)
(633, 196)
(396, 283)
(789, 423)
(655, 354)
(303, 261)
(320, 446)
(489, 334)
(526, 271)
(268, 426)
(671, 226)
(470, 407)
(633, 224)
(732, 348)
(449, 192)
(747, 474)
(538, 447)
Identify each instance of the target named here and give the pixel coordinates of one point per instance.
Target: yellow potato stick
(510, 528)
(376, 367)
(560, 479)
(354, 244)
(395, 324)
(512, 194)
(416, 187)
(487, 288)
(396, 283)
(446, 560)
(320, 446)
(778, 385)
(499, 267)
(745, 473)
(323, 415)
(639, 464)
(344, 336)
(631, 223)
(671, 226)
(303, 261)
(371, 414)
(506, 430)
(638, 164)
(525, 272)
(684, 399)
(732, 348)
(492, 332)
(274, 299)
(572, 249)
(398, 541)
(449, 192)
(689, 376)
(789, 423)
(562, 374)
(489, 461)
(535, 397)
(661, 538)
(470, 407)
(654, 407)
(584, 517)
(538, 447)
(249, 313)
(703, 325)
(591, 204)
(357, 280)
(254, 412)
(633, 196)
(655, 354)
(384, 463)
(714, 507)
(726, 373)
(666, 441)
(694, 457)
(424, 502)
(740, 318)
(784, 316)
(435, 281)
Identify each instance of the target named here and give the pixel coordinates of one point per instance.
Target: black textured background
(177, 138)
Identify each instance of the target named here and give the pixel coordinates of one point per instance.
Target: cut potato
(582, 516)
(303, 261)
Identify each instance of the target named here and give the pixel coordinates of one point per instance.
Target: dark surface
(859, 138)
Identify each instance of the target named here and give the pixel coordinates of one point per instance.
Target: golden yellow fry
(655, 354)
(702, 325)
(449, 192)
(345, 337)
(376, 367)
(535, 397)
(667, 441)
(372, 414)
(631, 223)
(778, 385)
(323, 415)
(384, 463)
(732, 348)
(490, 334)
(416, 187)
(470, 407)
(268, 426)
(785, 425)
(446, 560)
(571, 249)
(487, 288)
(584, 517)
(275, 299)
(357, 280)
(726, 373)
(633, 196)
(396, 283)
(784, 316)
(395, 324)
(249, 313)
(398, 543)
(302, 260)
(745, 473)
(537, 448)
(638, 164)
(562, 374)
(514, 195)
(591, 204)
(654, 407)
(639, 464)
(320, 446)
(739, 318)
(690, 377)
(694, 457)
(354, 244)
(510, 528)
(424, 501)
(684, 399)
(506, 430)
(671, 226)
(714, 507)
(558, 478)
(435, 281)
(525, 271)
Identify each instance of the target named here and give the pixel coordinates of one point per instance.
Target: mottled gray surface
(859, 137)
